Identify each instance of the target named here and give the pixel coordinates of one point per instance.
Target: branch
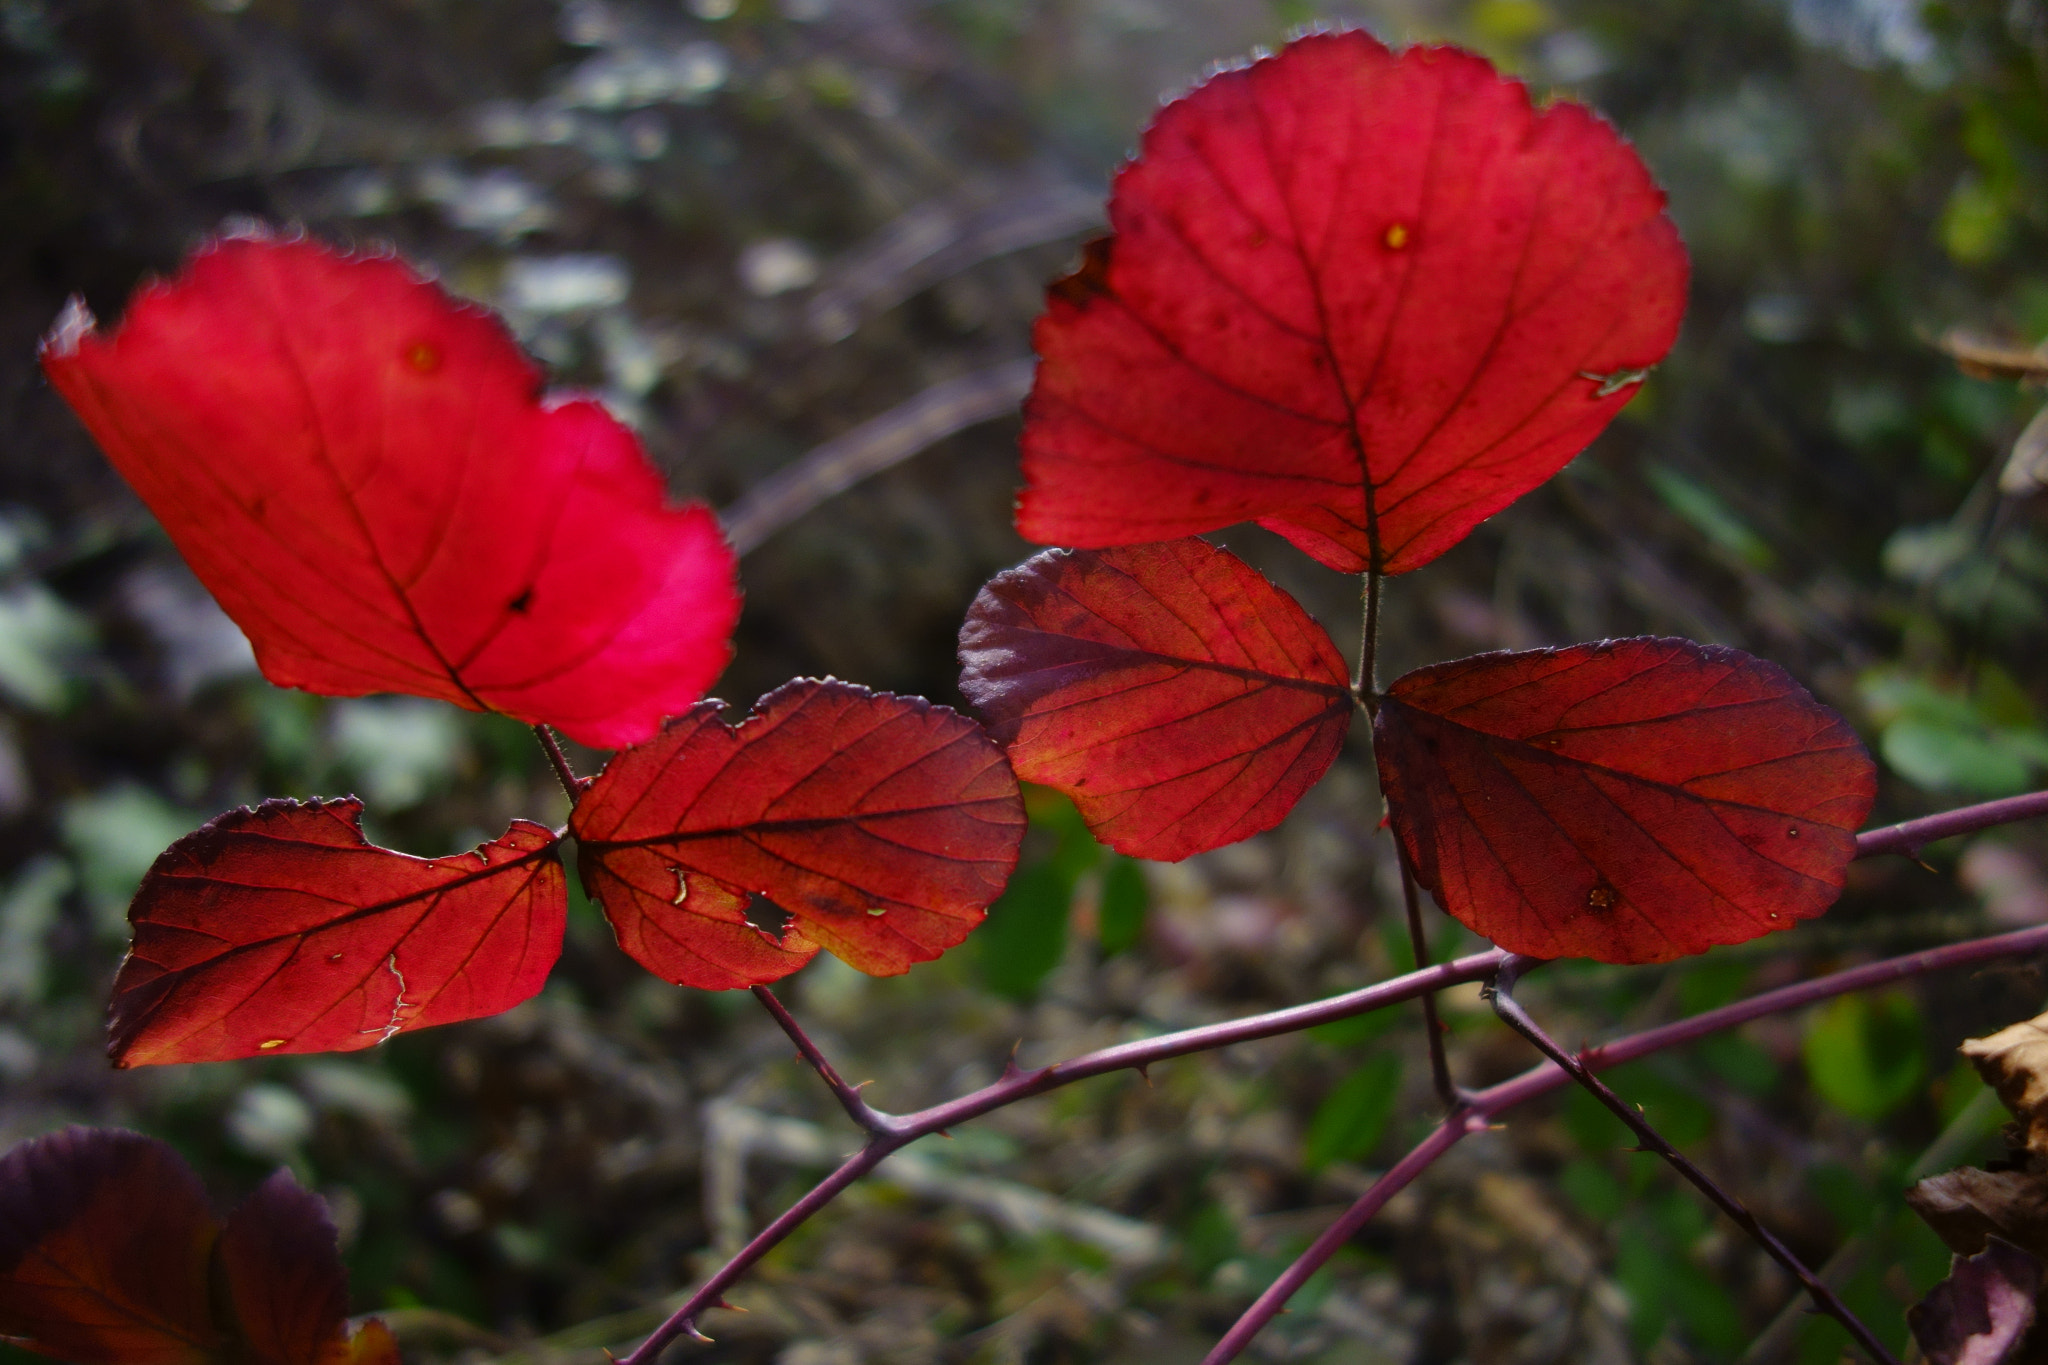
(859, 1110)
(896, 1131)
(1274, 1300)
(564, 773)
(893, 1132)
(1913, 835)
(1439, 1064)
(1483, 1106)
(873, 446)
(1515, 1017)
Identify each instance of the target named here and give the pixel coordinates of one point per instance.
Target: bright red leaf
(105, 1239)
(363, 471)
(882, 825)
(280, 929)
(1365, 298)
(1182, 700)
(1628, 801)
(109, 1255)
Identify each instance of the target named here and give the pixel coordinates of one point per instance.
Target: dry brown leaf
(2014, 1062)
(1985, 357)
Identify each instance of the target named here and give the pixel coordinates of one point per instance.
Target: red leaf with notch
(104, 1245)
(361, 469)
(883, 825)
(281, 1266)
(1365, 298)
(281, 929)
(1629, 801)
(1182, 700)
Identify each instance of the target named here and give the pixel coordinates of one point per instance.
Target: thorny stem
(1439, 1063)
(1474, 1115)
(571, 784)
(1483, 1106)
(1912, 836)
(1275, 1298)
(859, 1110)
(1517, 1018)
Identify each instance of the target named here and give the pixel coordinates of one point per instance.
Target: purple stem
(1517, 1018)
(857, 1109)
(1433, 1027)
(1483, 1106)
(893, 1132)
(565, 773)
(1274, 1300)
(1913, 835)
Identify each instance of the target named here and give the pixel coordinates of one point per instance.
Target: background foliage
(753, 226)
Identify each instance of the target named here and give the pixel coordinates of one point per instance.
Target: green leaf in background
(1349, 1122)
(1026, 932)
(1986, 742)
(1120, 913)
(113, 836)
(1865, 1054)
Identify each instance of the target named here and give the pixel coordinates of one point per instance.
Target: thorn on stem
(728, 1306)
(1144, 1069)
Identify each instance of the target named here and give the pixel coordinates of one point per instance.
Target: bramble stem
(1913, 835)
(1479, 1108)
(1515, 1017)
(1483, 1106)
(857, 1109)
(1439, 1064)
(564, 773)
(1366, 686)
(1269, 1304)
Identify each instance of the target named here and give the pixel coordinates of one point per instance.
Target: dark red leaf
(1181, 700)
(883, 825)
(282, 1271)
(363, 471)
(104, 1244)
(281, 929)
(1366, 298)
(1629, 801)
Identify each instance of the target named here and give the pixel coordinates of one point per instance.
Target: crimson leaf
(281, 929)
(1366, 298)
(1182, 700)
(1629, 801)
(883, 825)
(361, 469)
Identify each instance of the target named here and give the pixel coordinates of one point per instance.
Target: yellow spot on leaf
(1397, 236)
(274, 1042)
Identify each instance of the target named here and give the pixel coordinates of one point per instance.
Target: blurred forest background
(759, 226)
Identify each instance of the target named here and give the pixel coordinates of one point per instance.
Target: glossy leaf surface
(1629, 801)
(281, 929)
(1182, 700)
(105, 1239)
(1366, 298)
(363, 471)
(882, 825)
